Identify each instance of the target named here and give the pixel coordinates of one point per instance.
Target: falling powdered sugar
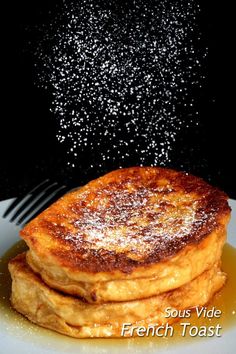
(121, 77)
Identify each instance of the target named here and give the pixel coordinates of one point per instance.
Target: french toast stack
(122, 249)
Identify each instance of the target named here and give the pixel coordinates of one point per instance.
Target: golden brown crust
(128, 218)
(143, 282)
(71, 316)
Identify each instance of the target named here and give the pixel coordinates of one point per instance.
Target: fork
(24, 208)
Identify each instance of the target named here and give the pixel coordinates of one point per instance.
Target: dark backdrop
(29, 150)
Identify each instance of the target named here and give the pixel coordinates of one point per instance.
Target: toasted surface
(126, 219)
(71, 316)
(130, 234)
(146, 281)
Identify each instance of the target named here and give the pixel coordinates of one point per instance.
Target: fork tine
(18, 200)
(33, 197)
(36, 201)
(41, 204)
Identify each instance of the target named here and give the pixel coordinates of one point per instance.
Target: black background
(29, 149)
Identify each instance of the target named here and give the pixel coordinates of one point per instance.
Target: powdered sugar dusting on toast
(130, 217)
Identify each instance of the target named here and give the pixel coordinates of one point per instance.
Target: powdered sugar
(134, 222)
(118, 75)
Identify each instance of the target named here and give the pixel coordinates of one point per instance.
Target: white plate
(17, 335)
